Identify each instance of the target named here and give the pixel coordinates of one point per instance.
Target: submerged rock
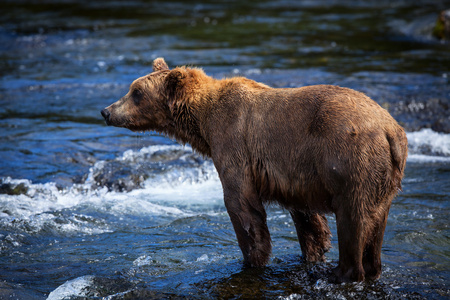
(130, 171)
(13, 189)
(414, 115)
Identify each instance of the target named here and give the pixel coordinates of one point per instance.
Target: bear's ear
(160, 65)
(175, 82)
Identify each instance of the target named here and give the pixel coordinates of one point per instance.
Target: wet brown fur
(314, 150)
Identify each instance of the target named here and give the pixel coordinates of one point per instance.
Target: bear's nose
(106, 114)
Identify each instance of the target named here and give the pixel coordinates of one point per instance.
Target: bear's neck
(189, 120)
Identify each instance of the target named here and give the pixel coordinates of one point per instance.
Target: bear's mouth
(114, 121)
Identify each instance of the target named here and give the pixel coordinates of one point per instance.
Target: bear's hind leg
(351, 239)
(313, 235)
(372, 252)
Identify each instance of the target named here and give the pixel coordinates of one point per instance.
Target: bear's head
(166, 101)
(149, 103)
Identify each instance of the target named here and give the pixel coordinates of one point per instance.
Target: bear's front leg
(313, 234)
(248, 217)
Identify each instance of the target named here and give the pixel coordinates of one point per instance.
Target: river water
(91, 212)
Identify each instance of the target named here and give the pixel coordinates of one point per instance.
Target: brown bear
(314, 150)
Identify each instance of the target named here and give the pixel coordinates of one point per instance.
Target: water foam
(44, 206)
(73, 288)
(427, 145)
(184, 183)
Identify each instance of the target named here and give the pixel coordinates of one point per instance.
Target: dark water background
(88, 211)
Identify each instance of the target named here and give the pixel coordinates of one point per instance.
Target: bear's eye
(137, 96)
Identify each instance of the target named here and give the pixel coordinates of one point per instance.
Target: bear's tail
(398, 145)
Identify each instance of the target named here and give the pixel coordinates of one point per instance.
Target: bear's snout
(106, 114)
